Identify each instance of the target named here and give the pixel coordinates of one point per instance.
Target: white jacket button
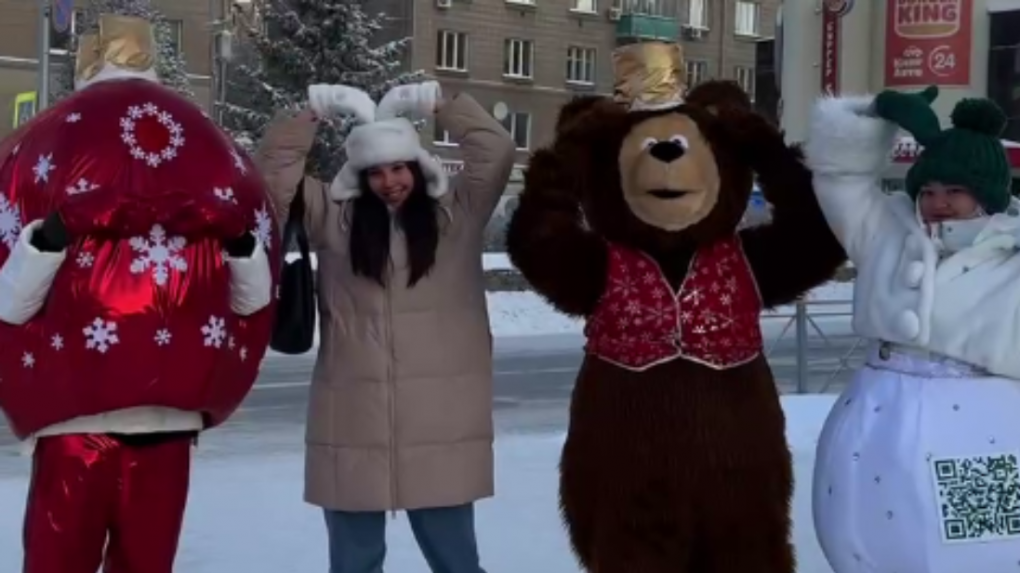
(913, 274)
(908, 325)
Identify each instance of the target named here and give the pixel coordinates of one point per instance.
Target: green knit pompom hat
(969, 153)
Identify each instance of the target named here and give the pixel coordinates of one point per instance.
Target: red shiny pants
(95, 501)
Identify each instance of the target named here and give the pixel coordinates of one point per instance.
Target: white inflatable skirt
(918, 470)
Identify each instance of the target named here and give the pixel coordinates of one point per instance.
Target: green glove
(911, 111)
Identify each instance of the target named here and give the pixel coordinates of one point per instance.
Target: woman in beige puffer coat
(400, 412)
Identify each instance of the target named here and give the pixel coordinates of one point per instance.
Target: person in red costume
(137, 264)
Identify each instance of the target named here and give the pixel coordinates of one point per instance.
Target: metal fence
(821, 361)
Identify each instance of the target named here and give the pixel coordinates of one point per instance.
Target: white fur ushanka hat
(380, 138)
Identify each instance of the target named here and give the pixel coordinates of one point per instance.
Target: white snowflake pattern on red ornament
(152, 155)
(43, 167)
(28, 360)
(214, 332)
(57, 342)
(163, 337)
(73, 117)
(81, 186)
(712, 320)
(159, 254)
(85, 260)
(238, 162)
(225, 194)
(101, 335)
(263, 226)
(10, 222)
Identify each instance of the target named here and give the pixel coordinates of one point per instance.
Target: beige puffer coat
(400, 412)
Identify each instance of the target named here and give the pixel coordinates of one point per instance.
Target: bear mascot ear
(716, 95)
(578, 108)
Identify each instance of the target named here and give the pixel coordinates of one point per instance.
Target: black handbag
(294, 324)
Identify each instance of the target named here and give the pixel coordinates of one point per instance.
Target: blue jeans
(446, 536)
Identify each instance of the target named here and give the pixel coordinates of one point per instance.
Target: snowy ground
(246, 513)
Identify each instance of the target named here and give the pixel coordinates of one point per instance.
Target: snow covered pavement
(246, 513)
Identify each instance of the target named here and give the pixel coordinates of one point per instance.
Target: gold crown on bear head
(649, 75)
(126, 42)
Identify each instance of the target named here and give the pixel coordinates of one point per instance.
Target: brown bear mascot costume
(676, 459)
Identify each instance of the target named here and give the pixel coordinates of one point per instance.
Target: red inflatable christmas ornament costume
(137, 256)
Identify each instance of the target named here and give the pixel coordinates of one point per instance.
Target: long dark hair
(371, 227)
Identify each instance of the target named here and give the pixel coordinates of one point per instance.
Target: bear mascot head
(149, 189)
(630, 219)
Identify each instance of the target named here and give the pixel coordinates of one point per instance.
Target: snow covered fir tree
(171, 66)
(302, 42)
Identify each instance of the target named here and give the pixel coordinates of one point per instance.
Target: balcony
(634, 27)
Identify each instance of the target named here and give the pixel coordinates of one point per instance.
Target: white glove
(328, 100)
(413, 101)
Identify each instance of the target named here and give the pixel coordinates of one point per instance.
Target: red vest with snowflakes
(139, 313)
(713, 320)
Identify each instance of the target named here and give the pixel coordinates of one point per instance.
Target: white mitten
(413, 101)
(329, 100)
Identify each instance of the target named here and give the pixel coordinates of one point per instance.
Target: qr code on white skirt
(978, 497)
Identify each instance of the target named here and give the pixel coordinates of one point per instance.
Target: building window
(585, 6)
(442, 137)
(1004, 69)
(581, 65)
(518, 61)
(63, 42)
(697, 72)
(746, 18)
(451, 51)
(697, 14)
(176, 39)
(519, 125)
(745, 77)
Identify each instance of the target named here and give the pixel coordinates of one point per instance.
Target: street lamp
(221, 41)
(42, 92)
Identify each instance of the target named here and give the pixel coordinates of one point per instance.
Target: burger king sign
(928, 42)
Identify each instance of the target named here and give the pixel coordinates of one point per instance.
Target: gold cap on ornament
(649, 75)
(86, 56)
(126, 42)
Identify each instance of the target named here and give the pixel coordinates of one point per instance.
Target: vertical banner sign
(62, 15)
(928, 42)
(832, 15)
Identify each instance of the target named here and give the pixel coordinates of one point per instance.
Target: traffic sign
(62, 14)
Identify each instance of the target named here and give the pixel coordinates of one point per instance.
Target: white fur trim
(111, 72)
(327, 100)
(413, 101)
(251, 282)
(843, 138)
(140, 420)
(385, 141)
(26, 278)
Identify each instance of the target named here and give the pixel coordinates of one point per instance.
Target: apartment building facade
(522, 59)
(18, 53)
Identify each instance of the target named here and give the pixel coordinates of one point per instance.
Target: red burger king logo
(838, 8)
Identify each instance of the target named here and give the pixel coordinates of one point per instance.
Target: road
(531, 393)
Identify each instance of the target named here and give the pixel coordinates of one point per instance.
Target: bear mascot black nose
(667, 151)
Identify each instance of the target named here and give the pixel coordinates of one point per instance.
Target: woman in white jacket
(917, 465)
